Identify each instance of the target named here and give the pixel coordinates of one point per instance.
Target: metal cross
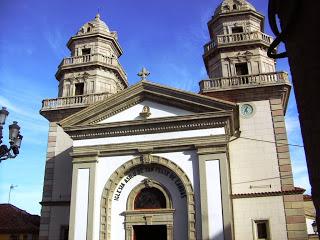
(144, 74)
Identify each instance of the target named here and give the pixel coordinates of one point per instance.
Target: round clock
(246, 110)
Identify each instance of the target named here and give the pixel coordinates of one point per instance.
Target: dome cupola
(232, 6)
(94, 26)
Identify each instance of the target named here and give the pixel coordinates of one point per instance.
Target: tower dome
(94, 26)
(233, 5)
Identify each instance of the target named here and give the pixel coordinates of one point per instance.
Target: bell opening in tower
(237, 29)
(79, 89)
(86, 51)
(241, 69)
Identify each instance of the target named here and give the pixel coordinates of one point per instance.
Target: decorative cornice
(159, 146)
(269, 194)
(156, 125)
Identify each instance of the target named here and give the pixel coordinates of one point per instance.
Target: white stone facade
(211, 168)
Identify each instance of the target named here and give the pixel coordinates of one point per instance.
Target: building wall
(57, 184)
(254, 163)
(246, 210)
(106, 166)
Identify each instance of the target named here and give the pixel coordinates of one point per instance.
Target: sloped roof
(15, 220)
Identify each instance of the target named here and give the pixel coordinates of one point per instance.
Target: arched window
(234, 7)
(88, 29)
(150, 198)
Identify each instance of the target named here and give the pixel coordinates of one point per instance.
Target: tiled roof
(307, 197)
(296, 190)
(15, 220)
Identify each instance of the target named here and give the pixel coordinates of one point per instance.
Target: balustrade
(80, 100)
(245, 80)
(97, 57)
(236, 38)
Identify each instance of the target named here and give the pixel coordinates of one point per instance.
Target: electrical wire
(282, 144)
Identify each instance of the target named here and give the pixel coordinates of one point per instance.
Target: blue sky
(165, 36)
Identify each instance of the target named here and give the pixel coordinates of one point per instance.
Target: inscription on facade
(147, 169)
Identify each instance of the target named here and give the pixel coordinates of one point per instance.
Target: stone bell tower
(236, 57)
(240, 71)
(92, 72)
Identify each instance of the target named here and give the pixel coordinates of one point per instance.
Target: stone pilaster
(218, 153)
(48, 182)
(293, 204)
(295, 218)
(83, 162)
(285, 168)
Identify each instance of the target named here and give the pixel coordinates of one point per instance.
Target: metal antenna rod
(11, 188)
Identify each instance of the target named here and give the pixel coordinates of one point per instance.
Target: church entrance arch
(134, 227)
(149, 212)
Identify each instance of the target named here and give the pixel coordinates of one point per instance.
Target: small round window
(150, 198)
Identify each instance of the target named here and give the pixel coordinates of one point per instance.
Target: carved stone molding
(115, 178)
(136, 148)
(146, 158)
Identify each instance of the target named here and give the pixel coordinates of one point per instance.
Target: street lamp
(14, 137)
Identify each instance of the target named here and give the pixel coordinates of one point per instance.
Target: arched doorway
(149, 212)
(116, 178)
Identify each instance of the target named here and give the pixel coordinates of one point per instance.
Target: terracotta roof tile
(307, 197)
(15, 220)
(296, 190)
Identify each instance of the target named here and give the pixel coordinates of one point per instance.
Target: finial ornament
(144, 74)
(98, 16)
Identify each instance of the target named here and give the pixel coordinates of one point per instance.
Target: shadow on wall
(221, 235)
(58, 177)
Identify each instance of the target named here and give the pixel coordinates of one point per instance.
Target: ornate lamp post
(14, 137)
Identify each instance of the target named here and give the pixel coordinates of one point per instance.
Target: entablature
(220, 119)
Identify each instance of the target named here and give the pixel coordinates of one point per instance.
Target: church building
(153, 162)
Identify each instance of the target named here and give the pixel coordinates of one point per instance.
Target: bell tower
(240, 71)
(236, 58)
(92, 72)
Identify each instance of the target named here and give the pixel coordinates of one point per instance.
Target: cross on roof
(144, 73)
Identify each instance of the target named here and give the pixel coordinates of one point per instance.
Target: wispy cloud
(6, 102)
(55, 40)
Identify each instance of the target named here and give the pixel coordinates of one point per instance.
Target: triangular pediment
(147, 109)
(162, 101)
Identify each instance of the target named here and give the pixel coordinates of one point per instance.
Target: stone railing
(238, 38)
(245, 81)
(73, 101)
(97, 57)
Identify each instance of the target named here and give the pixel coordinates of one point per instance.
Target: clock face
(246, 110)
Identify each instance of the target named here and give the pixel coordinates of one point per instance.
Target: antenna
(11, 188)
